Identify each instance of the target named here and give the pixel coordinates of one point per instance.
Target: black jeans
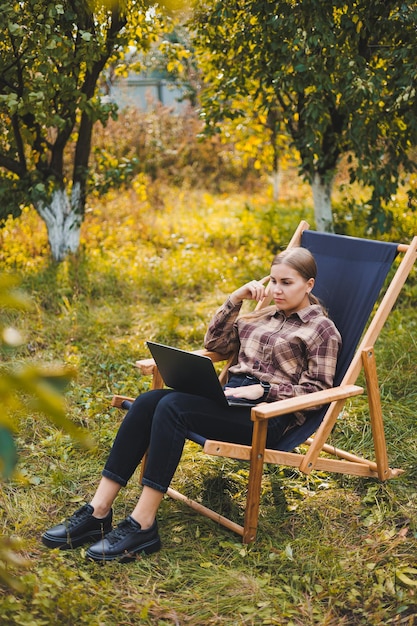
(158, 422)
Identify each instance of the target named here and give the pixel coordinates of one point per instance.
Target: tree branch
(12, 165)
(83, 146)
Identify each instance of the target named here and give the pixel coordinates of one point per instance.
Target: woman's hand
(254, 290)
(248, 392)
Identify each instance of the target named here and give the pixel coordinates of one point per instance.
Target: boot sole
(125, 557)
(76, 543)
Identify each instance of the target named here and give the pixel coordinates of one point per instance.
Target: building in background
(145, 91)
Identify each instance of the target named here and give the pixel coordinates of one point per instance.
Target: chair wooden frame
(344, 462)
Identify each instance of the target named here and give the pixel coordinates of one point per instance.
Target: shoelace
(78, 516)
(120, 532)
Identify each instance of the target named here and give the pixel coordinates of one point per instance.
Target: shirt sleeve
(222, 335)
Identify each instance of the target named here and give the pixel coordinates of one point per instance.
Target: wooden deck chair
(351, 275)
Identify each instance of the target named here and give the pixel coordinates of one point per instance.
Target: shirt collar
(305, 315)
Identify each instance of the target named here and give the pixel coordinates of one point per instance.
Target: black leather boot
(82, 527)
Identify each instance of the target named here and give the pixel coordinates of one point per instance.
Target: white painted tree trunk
(322, 192)
(63, 218)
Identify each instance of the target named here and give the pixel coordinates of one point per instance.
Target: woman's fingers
(254, 290)
(257, 289)
(248, 392)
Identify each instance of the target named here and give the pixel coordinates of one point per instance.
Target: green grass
(331, 550)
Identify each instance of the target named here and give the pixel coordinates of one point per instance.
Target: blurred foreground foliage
(24, 386)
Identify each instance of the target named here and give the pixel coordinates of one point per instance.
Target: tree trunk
(276, 184)
(322, 191)
(63, 218)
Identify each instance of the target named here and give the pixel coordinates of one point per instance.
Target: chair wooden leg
(117, 401)
(203, 510)
(323, 432)
(375, 410)
(255, 478)
(143, 466)
(157, 380)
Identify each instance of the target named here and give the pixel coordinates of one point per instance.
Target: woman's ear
(310, 284)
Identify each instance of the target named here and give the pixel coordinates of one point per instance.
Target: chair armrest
(266, 410)
(146, 366)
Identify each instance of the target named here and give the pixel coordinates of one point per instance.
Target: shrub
(168, 148)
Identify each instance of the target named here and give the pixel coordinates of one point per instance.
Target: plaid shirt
(295, 354)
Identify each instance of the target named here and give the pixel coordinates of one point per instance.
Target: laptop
(192, 373)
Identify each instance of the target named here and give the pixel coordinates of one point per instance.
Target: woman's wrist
(233, 298)
(266, 388)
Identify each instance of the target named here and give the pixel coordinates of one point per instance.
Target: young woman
(284, 350)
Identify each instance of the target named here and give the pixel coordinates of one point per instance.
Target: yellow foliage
(30, 231)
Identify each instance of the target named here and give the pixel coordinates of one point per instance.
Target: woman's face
(289, 289)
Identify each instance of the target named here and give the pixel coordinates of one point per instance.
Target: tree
(342, 75)
(52, 56)
(259, 137)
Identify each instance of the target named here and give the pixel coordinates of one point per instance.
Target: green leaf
(8, 454)
(403, 577)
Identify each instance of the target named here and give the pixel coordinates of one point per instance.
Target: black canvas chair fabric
(350, 275)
